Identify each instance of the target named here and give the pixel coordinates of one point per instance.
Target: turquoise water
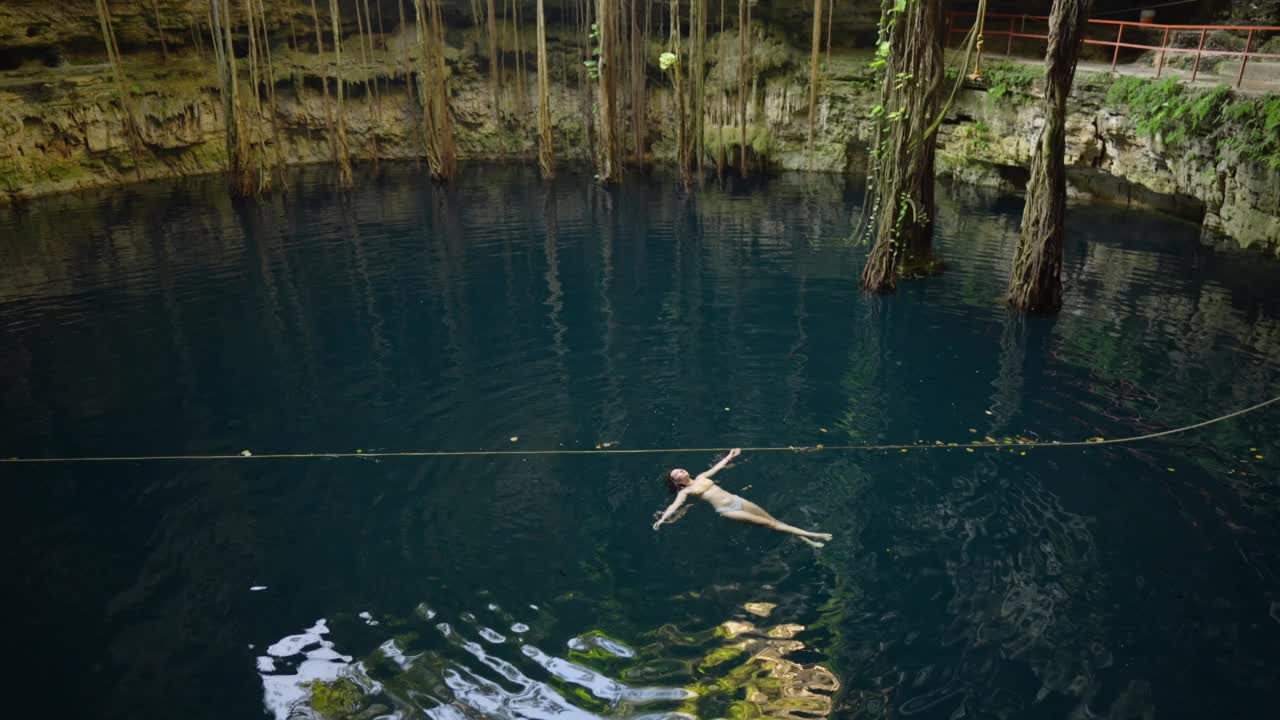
(498, 313)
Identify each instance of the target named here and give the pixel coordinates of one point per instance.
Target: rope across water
(1011, 444)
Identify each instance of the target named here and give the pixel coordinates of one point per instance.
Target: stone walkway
(1259, 78)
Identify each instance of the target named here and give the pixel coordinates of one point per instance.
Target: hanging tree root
(1035, 281)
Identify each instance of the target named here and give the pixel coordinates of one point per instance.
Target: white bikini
(735, 506)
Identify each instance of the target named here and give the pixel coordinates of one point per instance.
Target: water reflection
(469, 669)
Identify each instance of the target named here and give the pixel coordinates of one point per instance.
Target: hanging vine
(240, 171)
(272, 107)
(670, 61)
(345, 180)
(610, 167)
(494, 80)
(132, 128)
(744, 70)
(164, 46)
(324, 84)
(813, 74)
(546, 158)
(433, 91)
(697, 80)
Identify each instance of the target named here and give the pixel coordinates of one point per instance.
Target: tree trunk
(1035, 283)
(610, 138)
(546, 158)
(904, 154)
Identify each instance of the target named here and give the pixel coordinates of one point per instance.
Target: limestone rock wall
(61, 123)
(990, 141)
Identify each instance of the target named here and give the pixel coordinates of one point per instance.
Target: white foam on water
(294, 662)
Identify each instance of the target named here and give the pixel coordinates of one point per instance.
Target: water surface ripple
(504, 313)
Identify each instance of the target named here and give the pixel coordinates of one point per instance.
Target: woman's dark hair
(672, 485)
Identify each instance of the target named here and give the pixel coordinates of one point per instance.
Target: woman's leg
(777, 524)
(767, 520)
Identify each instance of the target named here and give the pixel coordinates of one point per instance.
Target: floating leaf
(1171, 470)
(904, 449)
(515, 438)
(359, 450)
(1258, 456)
(822, 430)
(726, 409)
(246, 453)
(968, 449)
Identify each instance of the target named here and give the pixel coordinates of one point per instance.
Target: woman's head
(677, 479)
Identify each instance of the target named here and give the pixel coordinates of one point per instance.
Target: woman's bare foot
(812, 543)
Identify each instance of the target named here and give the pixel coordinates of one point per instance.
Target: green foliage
(1256, 129)
(1166, 107)
(1012, 80)
(1250, 127)
(977, 136)
(593, 63)
(884, 30)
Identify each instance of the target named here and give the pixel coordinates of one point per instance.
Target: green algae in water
(336, 700)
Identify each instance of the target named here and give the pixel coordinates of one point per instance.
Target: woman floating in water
(726, 503)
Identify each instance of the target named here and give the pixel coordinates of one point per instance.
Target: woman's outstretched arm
(721, 465)
(671, 509)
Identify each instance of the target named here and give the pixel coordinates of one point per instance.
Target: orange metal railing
(1018, 29)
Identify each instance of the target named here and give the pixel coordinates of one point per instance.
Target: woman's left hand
(655, 525)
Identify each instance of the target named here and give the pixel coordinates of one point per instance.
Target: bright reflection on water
(1119, 582)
